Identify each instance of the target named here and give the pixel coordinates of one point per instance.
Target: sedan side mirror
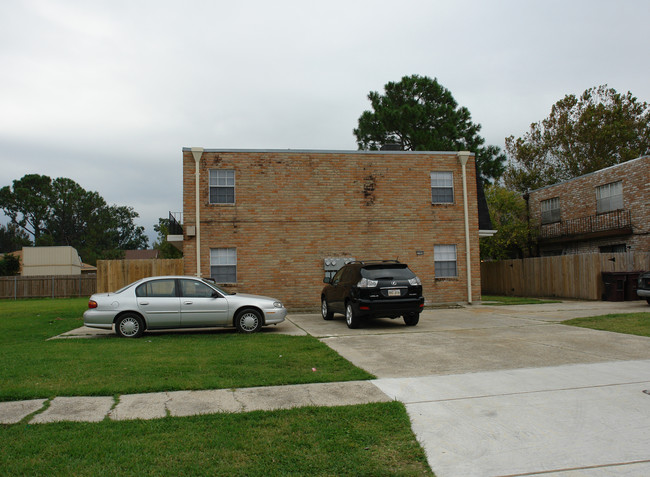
(326, 280)
(216, 294)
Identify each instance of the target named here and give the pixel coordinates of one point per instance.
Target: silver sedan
(179, 302)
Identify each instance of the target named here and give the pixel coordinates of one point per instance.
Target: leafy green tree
(13, 238)
(61, 212)
(166, 249)
(73, 211)
(27, 204)
(9, 265)
(509, 217)
(419, 114)
(583, 134)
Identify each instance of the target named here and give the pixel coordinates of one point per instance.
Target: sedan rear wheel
(325, 311)
(248, 321)
(350, 318)
(129, 326)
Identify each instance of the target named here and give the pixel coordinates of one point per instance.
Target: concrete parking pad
(565, 420)
(481, 338)
(80, 409)
(284, 328)
(16, 411)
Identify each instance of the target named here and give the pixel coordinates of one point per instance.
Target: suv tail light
(414, 281)
(365, 283)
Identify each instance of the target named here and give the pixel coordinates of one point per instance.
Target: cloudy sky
(107, 93)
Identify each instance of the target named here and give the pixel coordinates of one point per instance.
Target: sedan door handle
(144, 302)
(189, 302)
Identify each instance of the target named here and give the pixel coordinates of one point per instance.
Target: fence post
(15, 287)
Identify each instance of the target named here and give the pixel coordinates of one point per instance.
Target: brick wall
(294, 208)
(578, 199)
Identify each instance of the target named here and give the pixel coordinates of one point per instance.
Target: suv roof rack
(364, 262)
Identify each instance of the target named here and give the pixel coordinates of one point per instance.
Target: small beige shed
(51, 261)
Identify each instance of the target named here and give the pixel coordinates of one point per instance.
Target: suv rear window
(396, 272)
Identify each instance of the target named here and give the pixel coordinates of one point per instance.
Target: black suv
(373, 289)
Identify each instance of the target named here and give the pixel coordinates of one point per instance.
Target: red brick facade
(581, 228)
(295, 208)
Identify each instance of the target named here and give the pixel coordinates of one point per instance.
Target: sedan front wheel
(248, 321)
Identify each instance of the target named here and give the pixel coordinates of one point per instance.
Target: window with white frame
(222, 186)
(550, 210)
(442, 187)
(223, 265)
(444, 257)
(609, 197)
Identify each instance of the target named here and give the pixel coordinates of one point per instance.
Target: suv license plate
(394, 293)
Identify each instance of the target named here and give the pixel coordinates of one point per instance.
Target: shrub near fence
(566, 276)
(115, 274)
(50, 286)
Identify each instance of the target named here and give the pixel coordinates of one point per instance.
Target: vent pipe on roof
(197, 152)
(462, 157)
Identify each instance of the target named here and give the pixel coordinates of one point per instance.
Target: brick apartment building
(607, 211)
(270, 221)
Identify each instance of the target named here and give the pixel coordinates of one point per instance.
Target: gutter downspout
(462, 157)
(197, 152)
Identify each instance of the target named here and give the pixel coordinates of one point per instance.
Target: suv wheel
(350, 318)
(325, 311)
(411, 319)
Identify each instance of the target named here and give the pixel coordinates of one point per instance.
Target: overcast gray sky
(108, 92)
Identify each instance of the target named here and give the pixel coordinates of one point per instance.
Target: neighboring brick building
(607, 211)
(270, 218)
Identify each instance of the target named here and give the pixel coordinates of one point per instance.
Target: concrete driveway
(508, 390)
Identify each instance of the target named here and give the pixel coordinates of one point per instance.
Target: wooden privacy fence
(49, 286)
(566, 276)
(115, 274)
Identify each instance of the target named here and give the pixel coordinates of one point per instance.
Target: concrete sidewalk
(189, 403)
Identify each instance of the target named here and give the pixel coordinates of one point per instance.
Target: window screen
(442, 187)
(609, 197)
(222, 186)
(444, 257)
(223, 265)
(550, 210)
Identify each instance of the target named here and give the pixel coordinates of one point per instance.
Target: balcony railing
(175, 223)
(608, 223)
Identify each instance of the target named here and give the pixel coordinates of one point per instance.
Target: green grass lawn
(629, 323)
(33, 367)
(370, 439)
(513, 300)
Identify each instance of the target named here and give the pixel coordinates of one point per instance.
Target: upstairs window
(222, 186)
(609, 197)
(551, 210)
(444, 257)
(442, 187)
(223, 265)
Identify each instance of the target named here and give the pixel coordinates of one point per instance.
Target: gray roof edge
(325, 151)
(591, 173)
